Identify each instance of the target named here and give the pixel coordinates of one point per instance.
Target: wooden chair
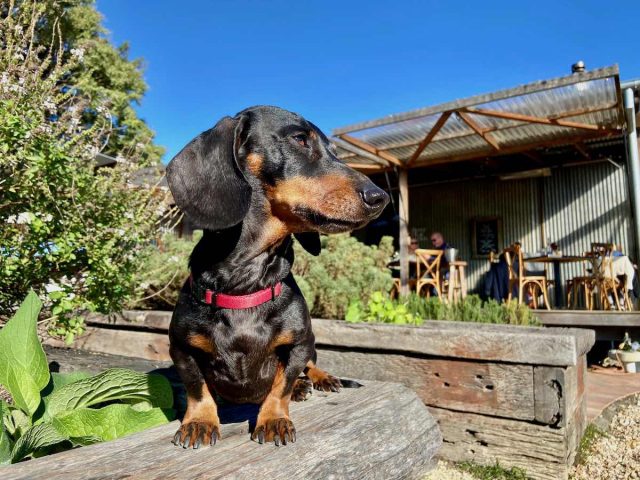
(607, 283)
(429, 260)
(517, 278)
(584, 283)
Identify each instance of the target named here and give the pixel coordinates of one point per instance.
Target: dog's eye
(302, 139)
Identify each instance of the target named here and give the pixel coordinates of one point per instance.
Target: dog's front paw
(302, 390)
(277, 430)
(327, 383)
(196, 433)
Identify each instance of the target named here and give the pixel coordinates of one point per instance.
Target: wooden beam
(531, 119)
(403, 238)
(358, 151)
(506, 151)
(441, 138)
(427, 139)
(476, 128)
(371, 149)
(366, 166)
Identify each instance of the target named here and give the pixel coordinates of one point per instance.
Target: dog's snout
(374, 198)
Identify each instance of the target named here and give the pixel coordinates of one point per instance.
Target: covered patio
(551, 161)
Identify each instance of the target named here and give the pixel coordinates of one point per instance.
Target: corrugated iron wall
(579, 205)
(587, 204)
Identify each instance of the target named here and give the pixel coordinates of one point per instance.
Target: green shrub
(69, 231)
(165, 268)
(346, 269)
(56, 411)
(414, 309)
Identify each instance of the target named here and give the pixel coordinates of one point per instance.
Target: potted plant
(628, 354)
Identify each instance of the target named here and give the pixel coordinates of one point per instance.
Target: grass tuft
(492, 472)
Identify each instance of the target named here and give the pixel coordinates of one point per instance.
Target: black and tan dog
(241, 328)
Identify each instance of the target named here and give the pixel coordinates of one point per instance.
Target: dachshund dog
(241, 329)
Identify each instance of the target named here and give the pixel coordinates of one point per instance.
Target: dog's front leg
(200, 425)
(274, 424)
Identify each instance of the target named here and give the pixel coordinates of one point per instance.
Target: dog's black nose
(375, 198)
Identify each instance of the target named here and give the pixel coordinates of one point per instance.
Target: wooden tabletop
(561, 259)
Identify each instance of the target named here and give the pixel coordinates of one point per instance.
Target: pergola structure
(563, 111)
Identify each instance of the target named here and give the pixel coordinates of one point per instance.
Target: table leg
(463, 283)
(557, 276)
(452, 273)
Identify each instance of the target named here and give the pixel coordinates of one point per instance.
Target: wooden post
(403, 238)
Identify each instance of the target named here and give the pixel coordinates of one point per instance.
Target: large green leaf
(59, 380)
(110, 422)
(37, 437)
(110, 385)
(23, 365)
(5, 441)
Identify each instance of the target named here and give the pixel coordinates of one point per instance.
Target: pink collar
(238, 302)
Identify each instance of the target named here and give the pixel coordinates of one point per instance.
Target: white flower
(23, 218)
(174, 259)
(48, 217)
(635, 346)
(120, 232)
(144, 285)
(52, 287)
(128, 215)
(78, 53)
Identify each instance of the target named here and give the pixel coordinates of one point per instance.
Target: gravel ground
(615, 456)
(446, 471)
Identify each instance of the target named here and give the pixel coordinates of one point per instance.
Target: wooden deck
(608, 325)
(606, 385)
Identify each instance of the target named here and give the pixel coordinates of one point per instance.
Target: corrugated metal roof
(502, 122)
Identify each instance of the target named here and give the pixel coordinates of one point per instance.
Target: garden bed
(497, 391)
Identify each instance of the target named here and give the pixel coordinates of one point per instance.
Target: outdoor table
(557, 274)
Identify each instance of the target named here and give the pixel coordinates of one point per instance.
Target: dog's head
(280, 157)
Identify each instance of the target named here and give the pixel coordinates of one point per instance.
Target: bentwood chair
(534, 285)
(428, 270)
(585, 283)
(610, 287)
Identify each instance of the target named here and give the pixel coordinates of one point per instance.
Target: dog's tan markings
(333, 196)
(201, 342)
(321, 380)
(254, 163)
(284, 338)
(273, 423)
(200, 425)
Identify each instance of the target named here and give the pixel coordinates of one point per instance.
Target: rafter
(366, 166)
(490, 139)
(371, 149)
(582, 149)
(427, 139)
(531, 119)
(507, 150)
(357, 151)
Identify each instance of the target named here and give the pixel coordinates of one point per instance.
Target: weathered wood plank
(582, 318)
(489, 388)
(539, 449)
(148, 345)
(504, 343)
(379, 431)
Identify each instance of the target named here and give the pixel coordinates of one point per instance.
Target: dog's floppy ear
(205, 179)
(310, 241)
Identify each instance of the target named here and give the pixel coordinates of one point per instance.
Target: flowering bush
(70, 231)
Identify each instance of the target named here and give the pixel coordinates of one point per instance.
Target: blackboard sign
(486, 236)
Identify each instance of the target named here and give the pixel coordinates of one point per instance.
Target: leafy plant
(56, 411)
(70, 231)
(492, 472)
(346, 269)
(414, 309)
(381, 309)
(158, 282)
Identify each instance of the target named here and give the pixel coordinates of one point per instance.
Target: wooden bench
(381, 430)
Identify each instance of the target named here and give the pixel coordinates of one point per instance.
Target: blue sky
(338, 63)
